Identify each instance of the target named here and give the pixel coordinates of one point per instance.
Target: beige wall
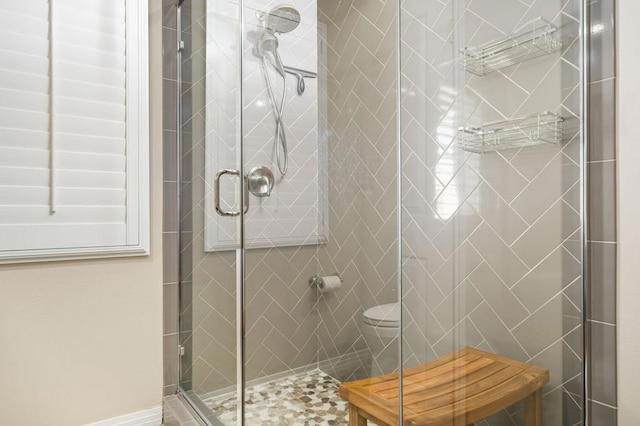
(628, 213)
(82, 341)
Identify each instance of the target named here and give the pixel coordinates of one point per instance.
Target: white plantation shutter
(73, 129)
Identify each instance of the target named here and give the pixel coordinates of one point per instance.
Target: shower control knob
(260, 181)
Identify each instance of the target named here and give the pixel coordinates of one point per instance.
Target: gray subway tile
(170, 207)
(602, 415)
(603, 363)
(602, 133)
(553, 408)
(186, 256)
(170, 390)
(170, 257)
(186, 197)
(500, 13)
(457, 230)
(186, 360)
(169, 18)
(455, 269)
(547, 233)
(572, 366)
(571, 409)
(602, 268)
(602, 201)
(169, 54)
(572, 8)
(546, 187)
(498, 255)
(548, 318)
(462, 300)
(602, 41)
(496, 334)
(188, 172)
(170, 359)
(499, 174)
(497, 213)
(510, 310)
(170, 106)
(547, 278)
(575, 385)
(170, 311)
(169, 156)
(186, 305)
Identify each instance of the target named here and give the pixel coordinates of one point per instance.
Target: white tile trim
(149, 417)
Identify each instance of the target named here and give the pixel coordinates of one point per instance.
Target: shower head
(268, 42)
(282, 19)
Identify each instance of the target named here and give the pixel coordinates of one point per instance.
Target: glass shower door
(211, 205)
(286, 222)
(492, 195)
(321, 265)
(289, 207)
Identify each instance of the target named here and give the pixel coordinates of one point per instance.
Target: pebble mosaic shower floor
(309, 398)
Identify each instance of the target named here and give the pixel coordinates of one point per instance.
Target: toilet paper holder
(316, 278)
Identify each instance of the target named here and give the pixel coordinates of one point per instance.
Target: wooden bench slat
(443, 380)
(483, 404)
(460, 388)
(458, 396)
(461, 382)
(394, 376)
(412, 377)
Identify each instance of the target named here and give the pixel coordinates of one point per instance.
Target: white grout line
(603, 404)
(601, 323)
(603, 80)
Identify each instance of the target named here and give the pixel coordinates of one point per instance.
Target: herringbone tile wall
(491, 242)
(360, 66)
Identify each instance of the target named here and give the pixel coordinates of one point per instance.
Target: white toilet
(381, 325)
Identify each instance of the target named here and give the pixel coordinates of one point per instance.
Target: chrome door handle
(216, 190)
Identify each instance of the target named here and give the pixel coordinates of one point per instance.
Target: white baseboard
(150, 417)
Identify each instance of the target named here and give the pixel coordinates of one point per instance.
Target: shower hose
(282, 152)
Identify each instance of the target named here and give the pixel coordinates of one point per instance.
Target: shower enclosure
(369, 185)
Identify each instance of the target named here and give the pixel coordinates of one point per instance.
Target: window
(73, 129)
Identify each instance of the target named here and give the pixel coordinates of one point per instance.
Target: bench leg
(533, 409)
(355, 419)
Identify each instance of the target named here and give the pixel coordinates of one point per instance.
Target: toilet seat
(387, 316)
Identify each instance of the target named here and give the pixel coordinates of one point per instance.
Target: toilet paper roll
(330, 283)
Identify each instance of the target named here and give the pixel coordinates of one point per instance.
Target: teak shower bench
(458, 389)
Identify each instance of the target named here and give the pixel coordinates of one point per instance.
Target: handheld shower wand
(281, 19)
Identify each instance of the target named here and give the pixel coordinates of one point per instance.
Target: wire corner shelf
(535, 129)
(534, 39)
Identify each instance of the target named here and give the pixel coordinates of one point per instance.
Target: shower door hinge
(180, 350)
(180, 45)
